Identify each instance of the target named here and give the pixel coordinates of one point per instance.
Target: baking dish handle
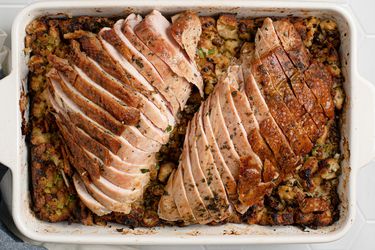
(363, 119)
(8, 122)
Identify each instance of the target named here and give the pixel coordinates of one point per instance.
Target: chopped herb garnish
(211, 51)
(144, 170)
(169, 128)
(201, 53)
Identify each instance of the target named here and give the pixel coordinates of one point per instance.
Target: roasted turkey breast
(264, 115)
(116, 98)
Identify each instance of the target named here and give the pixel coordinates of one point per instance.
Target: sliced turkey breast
(247, 117)
(87, 199)
(107, 57)
(218, 206)
(302, 93)
(90, 68)
(104, 199)
(103, 185)
(225, 173)
(90, 90)
(267, 125)
(99, 150)
(196, 184)
(258, 145)
(120, 195)
(84, 160)
(62, 88)
(101, 141)
(298, 139)
(180, 198)
(154, 106)
(118, 40)
(316, 75)
(98, 75)
(97, 186)
(141, 138)
(154, 32)
(292, 44)
(94, 49)
(129, 186)
(176, 85)
(232, 120)
(281, 85)
(186, 30)
(132, 157)
(222, 136)
(80, 120)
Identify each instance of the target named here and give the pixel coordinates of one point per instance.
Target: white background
(362, 235)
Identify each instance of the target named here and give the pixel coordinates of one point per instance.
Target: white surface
(362, 234)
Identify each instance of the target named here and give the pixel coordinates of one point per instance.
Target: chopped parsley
(169, 128)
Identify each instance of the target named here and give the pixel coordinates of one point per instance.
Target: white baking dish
(358, 131)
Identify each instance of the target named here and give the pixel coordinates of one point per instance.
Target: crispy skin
(281, 85)
(267, 126)
(251, 189)
(94, 49)
(78, 157)
(309, 101)
(123, 92)
(90, 109)
(260, 147)
(300, 100)
(268, 74)
(292, 43)
(84, 140)
(106, 139)
(299, 142)
(320, 83)
(126, 115)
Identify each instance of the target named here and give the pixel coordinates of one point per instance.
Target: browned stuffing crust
(308, 198)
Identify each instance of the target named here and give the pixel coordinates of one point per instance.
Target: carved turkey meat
(263, 116)
(116, 98)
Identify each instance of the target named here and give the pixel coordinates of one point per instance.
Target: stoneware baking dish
(358, 131)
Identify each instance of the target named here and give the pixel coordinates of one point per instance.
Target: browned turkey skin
(275, 162)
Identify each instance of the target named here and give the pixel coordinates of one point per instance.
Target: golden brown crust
(124, 93)
(91, 110)
(251, 188)
(126, 115)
